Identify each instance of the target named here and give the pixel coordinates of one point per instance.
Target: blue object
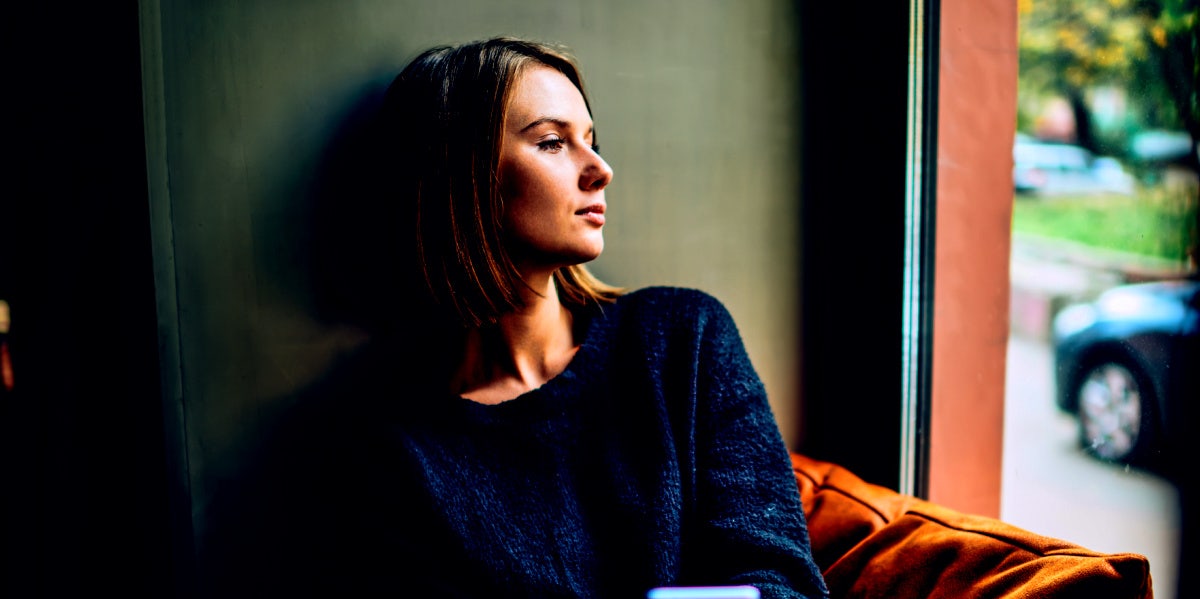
(725, 592)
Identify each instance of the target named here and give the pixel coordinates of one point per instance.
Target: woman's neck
(521, 352)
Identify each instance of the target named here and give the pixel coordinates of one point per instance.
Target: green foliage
(1074, 44)
(1175, 33)
(1148, 48)
(1158, 223)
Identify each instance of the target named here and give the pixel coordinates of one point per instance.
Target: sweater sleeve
(749, 524)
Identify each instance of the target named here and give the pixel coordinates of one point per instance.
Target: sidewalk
(1048, 274)
(1048, 484)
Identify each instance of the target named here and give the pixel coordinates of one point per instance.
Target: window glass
(1103, 274)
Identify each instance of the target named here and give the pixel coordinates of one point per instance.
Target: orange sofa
(871, 541)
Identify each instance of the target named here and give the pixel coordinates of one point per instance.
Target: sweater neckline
(553, 398)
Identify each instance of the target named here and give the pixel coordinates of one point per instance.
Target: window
(1103, 278)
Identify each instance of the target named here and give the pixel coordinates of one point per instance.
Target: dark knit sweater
(652, 460)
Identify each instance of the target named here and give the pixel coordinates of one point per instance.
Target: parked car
(1126, 363)
(1045, 168)
(1161, 146)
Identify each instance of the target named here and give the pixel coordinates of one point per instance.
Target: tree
(1173, 27)
(1147, 47)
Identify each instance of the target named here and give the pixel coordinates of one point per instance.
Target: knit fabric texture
(653, 460)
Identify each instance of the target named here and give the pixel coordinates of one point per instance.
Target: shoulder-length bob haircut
(444, 118)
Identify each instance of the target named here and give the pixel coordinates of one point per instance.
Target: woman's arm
(747, 518)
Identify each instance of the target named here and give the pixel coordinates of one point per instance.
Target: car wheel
(1114, 410)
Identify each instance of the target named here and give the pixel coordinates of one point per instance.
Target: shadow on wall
(344, 227)
(326, 237)
(351, 231)
(253, 521)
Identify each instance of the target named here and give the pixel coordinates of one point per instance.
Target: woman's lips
(593, 214)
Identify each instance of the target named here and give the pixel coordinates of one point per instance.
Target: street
(1051, 487)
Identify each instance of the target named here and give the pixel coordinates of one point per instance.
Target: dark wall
(84, 474)
(853, 88)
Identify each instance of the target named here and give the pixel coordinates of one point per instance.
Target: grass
(1156, 222)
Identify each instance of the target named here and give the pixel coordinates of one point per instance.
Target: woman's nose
(596, 173)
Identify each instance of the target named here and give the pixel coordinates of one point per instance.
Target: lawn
(1155, 223)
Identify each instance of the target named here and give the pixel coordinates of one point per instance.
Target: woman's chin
(593, 252)
(579, 252)
(584, 252)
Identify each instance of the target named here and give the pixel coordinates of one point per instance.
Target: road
(1051, 487)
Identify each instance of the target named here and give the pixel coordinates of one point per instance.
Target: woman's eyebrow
(553, 120)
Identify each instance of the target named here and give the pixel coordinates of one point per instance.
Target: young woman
(533, 432)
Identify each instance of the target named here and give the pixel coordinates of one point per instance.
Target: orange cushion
(871, 541)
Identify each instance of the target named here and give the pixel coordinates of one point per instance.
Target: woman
(535, 432)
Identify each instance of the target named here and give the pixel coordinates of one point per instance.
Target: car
(1125, 364)
(1161, 146)
(1052, 168)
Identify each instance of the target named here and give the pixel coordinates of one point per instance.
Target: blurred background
(1103, 355)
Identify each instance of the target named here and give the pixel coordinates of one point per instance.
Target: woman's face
(551, 177)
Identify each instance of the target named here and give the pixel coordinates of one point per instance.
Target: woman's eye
(551, 145)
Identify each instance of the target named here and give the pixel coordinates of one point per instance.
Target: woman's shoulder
(672, 296)
(666, 320)
(662, 302)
